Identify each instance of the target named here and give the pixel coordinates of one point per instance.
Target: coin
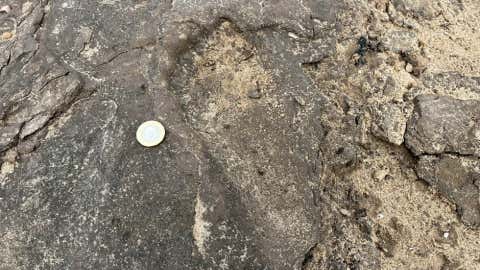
(150, 133)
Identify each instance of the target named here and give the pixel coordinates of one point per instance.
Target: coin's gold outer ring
(150, 124)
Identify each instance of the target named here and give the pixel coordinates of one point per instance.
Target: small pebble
(380, 174)
(7, 35)
(255, 94)
(293, 35)
(183, 36)
(345, 212)
(409, 68)
(5, 9)
(300, 100)
(6, 168)
(10, 156)
(150, 133)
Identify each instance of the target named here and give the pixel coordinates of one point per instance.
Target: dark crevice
(49, 82)
(111, 59)
(14, 142)
(57, 114)
(456, 154)
(316, 63)
(308, 258)
(6, 64)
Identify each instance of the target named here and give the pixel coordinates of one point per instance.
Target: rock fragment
(7, 136)
(6, 35)
(415, 8)
(5, 9)
(456, 178)
(300, 100)
(452, 80)
(389, 123)
(409, 68)
(29, 105)
(400, 41)
(380, 174)
(385, 242)
(416, 63)
(255, 94)
(441, 124)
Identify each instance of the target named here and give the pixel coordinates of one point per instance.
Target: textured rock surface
(442, 124)
(389, 123)
(287, 145)
(418, 8)
(458, 179)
